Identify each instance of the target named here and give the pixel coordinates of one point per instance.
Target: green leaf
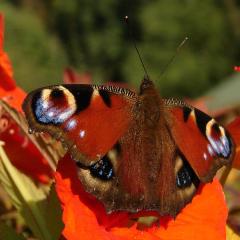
(7, 233)
(26, 197)
(54, 214)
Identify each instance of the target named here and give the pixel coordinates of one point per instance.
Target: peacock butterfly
(133, 151)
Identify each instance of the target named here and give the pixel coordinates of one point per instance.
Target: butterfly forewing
(88, 119)
(205, 143)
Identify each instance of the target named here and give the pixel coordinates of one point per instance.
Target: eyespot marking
(219, 142)
(82, 96)
(57, 93)
(53, 106)
(102, 169)
(185, 176)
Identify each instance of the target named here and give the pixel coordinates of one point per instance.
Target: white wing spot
(210, 150)
(63, 116)
(45, 104)
(50, 114)
(82, 134)
(71, 124)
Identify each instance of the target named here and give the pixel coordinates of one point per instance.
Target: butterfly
(133, 151)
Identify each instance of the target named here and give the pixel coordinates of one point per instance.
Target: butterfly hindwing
(88, 119)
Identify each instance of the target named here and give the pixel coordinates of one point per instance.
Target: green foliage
(94, 35)
(31, 201)
(8, 233)
(203, 60)
(37, 56)
(53, 214)
(95, 39)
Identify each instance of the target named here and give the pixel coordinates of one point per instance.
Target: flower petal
(21, 151)
(85, 218)
(13, 97)
(6, 73)
(8, 89)
(24, 155)
(83, 215)
(204, 218)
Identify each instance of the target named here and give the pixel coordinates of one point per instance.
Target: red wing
(234, 130)
(88, 119)
(206, 145)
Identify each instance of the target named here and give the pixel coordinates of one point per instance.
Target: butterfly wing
(123, 158)
(134, 152)
(144, 170)
(88, 119)
(206, 144)
(139, 173)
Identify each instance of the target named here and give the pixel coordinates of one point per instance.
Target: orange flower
(21, 151)
(6, 74)
(8, 87)
(85, 217)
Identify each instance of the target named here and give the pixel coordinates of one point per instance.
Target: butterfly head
(146, 85)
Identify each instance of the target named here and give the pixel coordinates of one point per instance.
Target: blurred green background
(45, 36)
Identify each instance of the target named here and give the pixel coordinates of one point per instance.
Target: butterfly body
(133, 151)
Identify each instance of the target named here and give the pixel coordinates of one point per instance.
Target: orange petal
(1, 32)
(6, 73)
(24, 155)
(83, 215)
(8, 90)
(13, 97)
(85, 218)
(204, 218)
(21, 151)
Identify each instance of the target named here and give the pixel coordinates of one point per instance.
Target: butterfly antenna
(131, 37)
(174, 56)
